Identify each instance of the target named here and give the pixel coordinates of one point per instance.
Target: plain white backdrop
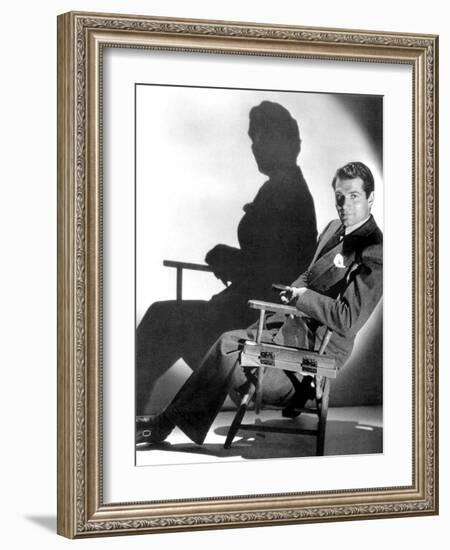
(28, 271)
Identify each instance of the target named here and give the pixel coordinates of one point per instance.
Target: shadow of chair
(180, 266)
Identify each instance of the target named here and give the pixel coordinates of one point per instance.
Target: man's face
(352, 204)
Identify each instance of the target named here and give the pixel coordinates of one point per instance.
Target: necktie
(332, 241)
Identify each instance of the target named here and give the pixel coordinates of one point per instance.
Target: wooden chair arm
(274, 307)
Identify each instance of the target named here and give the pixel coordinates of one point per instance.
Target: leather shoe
(305, 391)
(153, 429)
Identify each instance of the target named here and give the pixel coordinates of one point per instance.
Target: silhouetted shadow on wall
(277, 238)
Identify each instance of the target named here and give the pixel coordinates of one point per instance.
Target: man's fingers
(286, 295)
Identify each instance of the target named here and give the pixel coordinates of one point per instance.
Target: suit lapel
(325, 269)
(325, 237)
(323, 272)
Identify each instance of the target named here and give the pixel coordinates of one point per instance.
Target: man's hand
(291, 294)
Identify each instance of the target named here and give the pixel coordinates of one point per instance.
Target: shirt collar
(352, 228)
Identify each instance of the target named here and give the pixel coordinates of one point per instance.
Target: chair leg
(249, 391)
(320, 449)
(259, 387)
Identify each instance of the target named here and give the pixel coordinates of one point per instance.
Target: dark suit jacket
(340, 298)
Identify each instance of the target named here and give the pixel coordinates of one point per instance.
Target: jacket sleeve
(346, 314)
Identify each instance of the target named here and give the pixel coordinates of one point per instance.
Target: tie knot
(340, 231)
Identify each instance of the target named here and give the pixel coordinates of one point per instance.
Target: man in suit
(339, 291)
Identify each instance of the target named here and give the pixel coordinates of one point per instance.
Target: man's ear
(370, 199)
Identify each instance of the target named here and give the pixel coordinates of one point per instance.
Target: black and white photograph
(258, 274)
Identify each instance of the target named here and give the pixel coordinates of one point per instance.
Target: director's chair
(257, 356)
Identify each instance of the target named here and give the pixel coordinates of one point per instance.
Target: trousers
(200, 399)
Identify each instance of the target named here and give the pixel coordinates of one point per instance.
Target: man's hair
(354, 170)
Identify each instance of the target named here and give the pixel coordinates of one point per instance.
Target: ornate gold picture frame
(83, 510)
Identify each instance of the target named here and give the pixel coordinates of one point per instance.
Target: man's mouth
(345, 218)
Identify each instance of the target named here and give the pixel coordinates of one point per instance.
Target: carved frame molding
(81, 37)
